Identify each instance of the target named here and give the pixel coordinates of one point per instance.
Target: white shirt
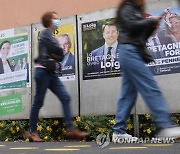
(151, 41)
(65, 59)
(6, 68)
(113, 50)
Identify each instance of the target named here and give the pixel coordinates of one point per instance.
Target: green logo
(10, 104)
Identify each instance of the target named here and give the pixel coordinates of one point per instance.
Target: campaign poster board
(66, 40)
(15, 73)
(69, 76)
(100, 49)
(65, 36)
(164, 43)
(14, 56)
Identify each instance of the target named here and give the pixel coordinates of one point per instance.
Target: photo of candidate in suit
(158, 38)
(13, 64)
(106, 58)
(68, 63)
(25, 65)
(5, 47)
(18, 66)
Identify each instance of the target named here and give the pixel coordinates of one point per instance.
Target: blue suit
(163, 39)
(96, 53)
(69, 66)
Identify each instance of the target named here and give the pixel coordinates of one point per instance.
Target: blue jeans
(44, 81)
(138, 78)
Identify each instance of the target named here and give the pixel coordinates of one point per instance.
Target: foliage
(55, 129)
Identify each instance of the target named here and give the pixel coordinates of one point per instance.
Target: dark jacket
(69, 67)
(2, 68)
(48, 45)
(134, 28)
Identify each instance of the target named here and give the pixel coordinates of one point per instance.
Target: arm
(47, 40)
(135, 22)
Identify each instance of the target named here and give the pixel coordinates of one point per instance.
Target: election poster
(14, 66)
(100, 50)
(164, 43)
(65, 36)
(66, 40)
(10, 104)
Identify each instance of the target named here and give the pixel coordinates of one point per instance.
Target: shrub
(55, 129)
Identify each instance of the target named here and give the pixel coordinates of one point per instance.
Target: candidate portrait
(105, 58)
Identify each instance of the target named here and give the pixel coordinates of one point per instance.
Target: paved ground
(86, 148)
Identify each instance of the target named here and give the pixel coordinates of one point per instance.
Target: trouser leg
(59, 90)
(42, 81)
(125, 104)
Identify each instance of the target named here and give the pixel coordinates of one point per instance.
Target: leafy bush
(55, 129)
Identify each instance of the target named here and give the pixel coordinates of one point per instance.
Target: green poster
(15, 52)
(10, 104)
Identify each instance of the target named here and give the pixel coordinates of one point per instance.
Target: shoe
(170, 132)
(117, 138)
(34, 137)
(76, 133)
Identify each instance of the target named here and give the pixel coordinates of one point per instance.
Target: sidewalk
(86, 148)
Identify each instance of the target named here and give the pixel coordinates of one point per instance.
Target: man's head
(13, 63)
(64, 42)
(110, 33)
(19, 62)
(24, 60)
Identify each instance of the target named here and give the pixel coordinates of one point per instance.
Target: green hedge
(55, 129)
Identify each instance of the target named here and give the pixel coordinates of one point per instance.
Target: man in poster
(158, 38)
(68, 63)
(105, 58)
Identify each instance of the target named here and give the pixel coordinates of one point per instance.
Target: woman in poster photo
(172, 24)
(4, 62)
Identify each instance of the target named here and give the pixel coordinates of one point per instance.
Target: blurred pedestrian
(134, 31)
(50, 54)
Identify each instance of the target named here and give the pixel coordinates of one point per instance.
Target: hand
(157, 21)
(157, 18)
(56, 57)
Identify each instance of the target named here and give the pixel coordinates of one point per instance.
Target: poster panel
(100, 49)
(164, 43)
(14, 54)
(66, 36)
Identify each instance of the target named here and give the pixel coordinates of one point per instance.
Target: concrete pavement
(86, 148)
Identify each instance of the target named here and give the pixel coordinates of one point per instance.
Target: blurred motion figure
(135, 29)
